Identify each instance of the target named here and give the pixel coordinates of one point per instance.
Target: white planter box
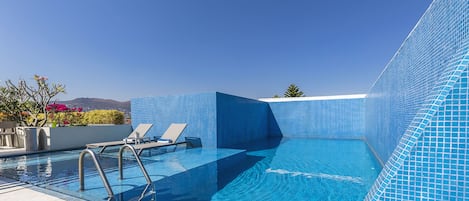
(60, 138)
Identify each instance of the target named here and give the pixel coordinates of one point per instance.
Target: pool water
(305, 169)
(275, 169)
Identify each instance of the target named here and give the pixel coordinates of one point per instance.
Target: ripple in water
(357, 180)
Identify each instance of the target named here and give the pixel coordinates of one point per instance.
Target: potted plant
(27, 104)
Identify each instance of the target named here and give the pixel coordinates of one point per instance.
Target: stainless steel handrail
(151, 191)
(144, 171)
(98, 167)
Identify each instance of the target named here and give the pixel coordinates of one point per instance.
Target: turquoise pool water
(306, 169)
(276, 169)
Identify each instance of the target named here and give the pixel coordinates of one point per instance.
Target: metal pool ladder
(132, 149)
(98, 167)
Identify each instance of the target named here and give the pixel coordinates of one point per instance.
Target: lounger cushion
(128, 140)
(161, 140)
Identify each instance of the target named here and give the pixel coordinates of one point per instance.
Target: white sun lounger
(136, 135)
(169, 138)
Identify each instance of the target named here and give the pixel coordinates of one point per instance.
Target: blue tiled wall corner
(223, 120)
(240, 120)
(198, 111)
(220, 120)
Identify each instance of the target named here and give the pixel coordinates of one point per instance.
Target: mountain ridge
(98, 104)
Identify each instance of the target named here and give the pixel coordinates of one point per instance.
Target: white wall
(78, 136)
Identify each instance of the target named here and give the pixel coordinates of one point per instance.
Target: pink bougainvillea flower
(61, 108)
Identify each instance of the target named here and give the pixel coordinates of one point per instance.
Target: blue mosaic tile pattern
(197, 110)
(413, 72)
(220, 120)
(240, 120)
(340, 118)
(436, 166)
(226, 121)
(430, 161)
(402, 170)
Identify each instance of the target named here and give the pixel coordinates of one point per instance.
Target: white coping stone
(19, 191)
(11, 151)
(313, 98)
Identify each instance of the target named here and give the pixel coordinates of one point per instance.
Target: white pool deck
(12, 190)
(15, 190)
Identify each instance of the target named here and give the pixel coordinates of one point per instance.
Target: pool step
(158, 167)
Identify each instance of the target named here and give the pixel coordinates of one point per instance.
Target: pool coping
(10, 189)
(7, 152)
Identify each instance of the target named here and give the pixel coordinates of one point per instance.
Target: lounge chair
(8, 129)
(136, 136)
(169, 138)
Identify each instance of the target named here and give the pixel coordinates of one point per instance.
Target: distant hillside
(98, 104)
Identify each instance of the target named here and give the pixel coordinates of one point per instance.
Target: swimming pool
(306, 169)
(275, 169)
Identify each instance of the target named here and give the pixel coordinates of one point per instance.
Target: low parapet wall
(61, 138)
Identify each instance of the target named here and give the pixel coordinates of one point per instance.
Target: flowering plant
(62, 115)
(25, 103)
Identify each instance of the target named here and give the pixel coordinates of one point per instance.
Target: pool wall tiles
(223, 120)
(220, 120)
(340, 118)
(410, 76)
(430, 159)
(240, 120)
(197, 110)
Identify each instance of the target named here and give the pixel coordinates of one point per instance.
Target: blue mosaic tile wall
(220, 120)
(240, 120)
(198, 111)
(223, 120)
(429, 160)
(437, 164)
(412, 73)
(342, 118)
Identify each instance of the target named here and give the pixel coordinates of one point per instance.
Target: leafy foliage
(293, 91)
(3, 116)
(24, 103)
(29, 106)
(104, 117)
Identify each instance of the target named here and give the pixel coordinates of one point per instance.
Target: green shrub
(3, 116)
(70, 118)
(30, 119)
(103, 117)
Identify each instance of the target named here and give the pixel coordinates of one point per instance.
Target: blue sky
(252, 48)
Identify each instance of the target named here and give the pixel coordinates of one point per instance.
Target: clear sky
(252, 48)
